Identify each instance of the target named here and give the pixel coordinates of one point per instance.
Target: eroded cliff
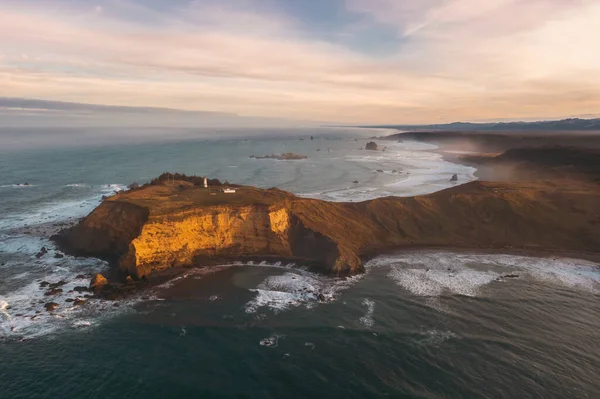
(178, 224)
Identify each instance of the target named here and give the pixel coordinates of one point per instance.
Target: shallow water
(417, 324)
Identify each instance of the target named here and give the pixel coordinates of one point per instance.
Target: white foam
(432, 274)
(367, 320)
(272, 342)
(55, 211)
(27, 298)
(310, 345)
(419, 171)
(297, 288)
(435, 282)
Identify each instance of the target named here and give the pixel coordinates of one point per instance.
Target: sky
(300, 61)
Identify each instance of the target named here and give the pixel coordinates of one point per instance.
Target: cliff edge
(179, 223)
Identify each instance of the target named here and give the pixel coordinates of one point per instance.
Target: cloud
(449, 59)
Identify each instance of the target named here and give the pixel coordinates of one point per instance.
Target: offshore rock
(372, 146)
(98, 283)
(51, 306)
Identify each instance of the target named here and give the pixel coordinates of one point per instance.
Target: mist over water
(429, 324)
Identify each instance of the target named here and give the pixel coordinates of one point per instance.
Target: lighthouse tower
(205, 182)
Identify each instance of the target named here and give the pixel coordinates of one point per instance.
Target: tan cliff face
(169, 234)
(175, 240)
(174, 224)
(187, 238)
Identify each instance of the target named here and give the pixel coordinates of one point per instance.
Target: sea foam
(432, 274)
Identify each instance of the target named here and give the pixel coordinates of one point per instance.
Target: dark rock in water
(372, 146)
(87, 296)
(69, 300)
(321, 298)
(379, 170)
(40, 254)
(98, 283)
(511, 275)
(50, 306)
(25, 184)
(44, 284)
(78, 302)
(113, 295)
(56, 285)
(288, 156)
(355, 182)
(394, 171)
(80, 277)
(454, 177)
(58, 255)
(80, 289)
(52, 292)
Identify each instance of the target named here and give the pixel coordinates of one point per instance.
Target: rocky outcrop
(51, 306)
(159, 227)
(97, 283)
(372, 146)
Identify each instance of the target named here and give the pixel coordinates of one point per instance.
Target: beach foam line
(431, 274)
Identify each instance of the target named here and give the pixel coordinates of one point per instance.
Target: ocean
(423, 324)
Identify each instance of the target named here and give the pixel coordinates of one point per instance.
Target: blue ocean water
(417, 324)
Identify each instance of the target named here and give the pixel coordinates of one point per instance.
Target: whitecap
(272, 342)
(367, 319)
(295, 289)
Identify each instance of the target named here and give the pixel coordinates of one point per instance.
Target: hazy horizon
(284, 62)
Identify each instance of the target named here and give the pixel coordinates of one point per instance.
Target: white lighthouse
(205, 182)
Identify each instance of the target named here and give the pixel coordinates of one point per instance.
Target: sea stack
(372, 146)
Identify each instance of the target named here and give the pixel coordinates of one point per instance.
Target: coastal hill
(563, 125)
(175, 222)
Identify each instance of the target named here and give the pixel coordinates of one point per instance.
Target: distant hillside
(574, 124)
